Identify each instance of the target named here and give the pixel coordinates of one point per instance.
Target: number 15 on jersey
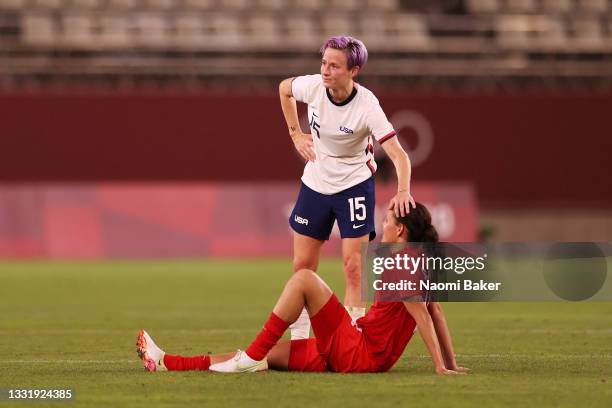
(314, 125)
(358, 208)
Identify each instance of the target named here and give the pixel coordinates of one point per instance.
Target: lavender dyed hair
(355, 51)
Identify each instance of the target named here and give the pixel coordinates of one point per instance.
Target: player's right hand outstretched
(304, 145)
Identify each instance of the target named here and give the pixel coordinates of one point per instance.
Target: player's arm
(444, 337)
(419, 312)
(303, 142)
(400, 204)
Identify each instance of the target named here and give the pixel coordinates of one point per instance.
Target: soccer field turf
(74, 325)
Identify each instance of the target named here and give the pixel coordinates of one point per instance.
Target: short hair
(354, 49)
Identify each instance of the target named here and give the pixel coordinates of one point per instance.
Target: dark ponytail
(418, 224)
(430, 234)
(420, 229)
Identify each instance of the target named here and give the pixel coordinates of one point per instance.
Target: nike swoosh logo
(242, 368)
(358, 226)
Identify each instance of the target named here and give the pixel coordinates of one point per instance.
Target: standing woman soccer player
(338, 179)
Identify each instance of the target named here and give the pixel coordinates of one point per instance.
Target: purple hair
(355, 51)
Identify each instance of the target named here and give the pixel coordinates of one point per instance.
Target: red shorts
(338, 345)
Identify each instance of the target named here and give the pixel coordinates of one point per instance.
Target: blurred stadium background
(151, 128)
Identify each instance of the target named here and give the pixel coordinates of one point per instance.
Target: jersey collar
(344, 102)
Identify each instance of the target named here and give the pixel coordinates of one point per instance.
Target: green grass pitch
(75, 324)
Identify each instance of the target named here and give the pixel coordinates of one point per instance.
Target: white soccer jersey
(342, 134)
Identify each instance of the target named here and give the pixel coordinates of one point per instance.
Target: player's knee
(302, 276)
(352, 269)
(301, 263)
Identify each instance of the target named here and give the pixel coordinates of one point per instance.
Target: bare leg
(351, 255)
(306, 252)
(278, 357)
(304, 289)
(219, 358)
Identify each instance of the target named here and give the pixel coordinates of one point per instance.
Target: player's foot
(240, 363)
(152, 356)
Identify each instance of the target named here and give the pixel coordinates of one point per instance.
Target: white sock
(300, 329)
(355, 312)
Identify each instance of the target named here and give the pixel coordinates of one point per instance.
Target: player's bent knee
(305, 273)
(302, 276)
(303, 263)
(308, 280)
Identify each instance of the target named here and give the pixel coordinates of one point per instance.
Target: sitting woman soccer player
(373, 344)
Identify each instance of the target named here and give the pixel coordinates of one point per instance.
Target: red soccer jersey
(387, 328)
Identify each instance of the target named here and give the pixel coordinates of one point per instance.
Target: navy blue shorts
(314, 213)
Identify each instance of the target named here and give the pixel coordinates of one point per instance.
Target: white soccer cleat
(152, 356)
(240, 363)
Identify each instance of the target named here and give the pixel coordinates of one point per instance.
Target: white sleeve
(303, 87)
(379, 126)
